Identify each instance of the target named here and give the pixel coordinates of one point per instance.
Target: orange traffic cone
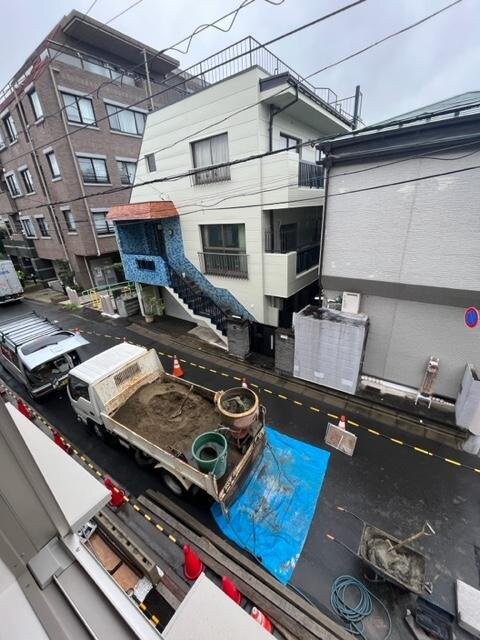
(262, 619)
(192, 565)
(24, 410)
(244, 383)
(117, 495)
(342, 423)
(177, 369)
(231, 590)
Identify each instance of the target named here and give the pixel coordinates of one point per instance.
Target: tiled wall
(139, 236)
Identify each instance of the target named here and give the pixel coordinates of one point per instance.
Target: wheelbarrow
(389, 558)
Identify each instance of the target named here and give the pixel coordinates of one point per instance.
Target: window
(145, 265)
(35, 103)
(126, 170)
(102, 225)
(224, 250)
(126, 120)
(27, 180)
(8, 226)
(209, 152)
(151, 164)
(27, 228)
(53, 164)
(2, 141)
(290, 142)
(78, 388)
(10, 128)
(79, 110)
(12, 185)
(94, 170)
(43, 227)
(69, 221)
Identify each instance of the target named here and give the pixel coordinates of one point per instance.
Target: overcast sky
(433, 61)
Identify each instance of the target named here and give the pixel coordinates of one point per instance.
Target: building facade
(402, 230)
(65, 137)
(245, 237)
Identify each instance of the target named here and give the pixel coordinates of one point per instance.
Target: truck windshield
(50, 371)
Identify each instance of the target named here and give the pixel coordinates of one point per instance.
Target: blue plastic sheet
(272, 516)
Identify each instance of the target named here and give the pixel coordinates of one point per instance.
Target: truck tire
(173, 484)
(143, 459)
(98, 429)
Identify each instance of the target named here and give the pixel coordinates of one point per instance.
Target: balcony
(300, 183)
(226, 265)
(221, 174)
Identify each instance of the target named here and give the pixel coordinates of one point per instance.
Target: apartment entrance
(262, 339)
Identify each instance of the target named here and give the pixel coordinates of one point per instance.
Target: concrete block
(468, 608)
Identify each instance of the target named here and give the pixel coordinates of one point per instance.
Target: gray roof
(449, 104)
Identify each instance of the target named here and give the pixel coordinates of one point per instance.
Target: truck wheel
(173, 484)
(142, 459)
(98, 429)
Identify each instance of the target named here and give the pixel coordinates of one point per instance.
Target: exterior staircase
(201, 307)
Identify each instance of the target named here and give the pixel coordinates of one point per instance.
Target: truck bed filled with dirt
(169, 415)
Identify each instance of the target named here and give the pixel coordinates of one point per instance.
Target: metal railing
(308, 258)
(310, 174)
(211, 175)
(113, 290)
(229, 265)
(247, 53)
(197, 301)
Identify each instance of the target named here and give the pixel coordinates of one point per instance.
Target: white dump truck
(10, 287)
(38, 353)
(193, 436)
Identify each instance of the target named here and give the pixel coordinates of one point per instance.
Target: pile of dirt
(151, 413)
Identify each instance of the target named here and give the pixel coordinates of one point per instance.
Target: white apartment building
(246, 236)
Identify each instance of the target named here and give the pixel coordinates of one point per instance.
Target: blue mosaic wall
(133, 237)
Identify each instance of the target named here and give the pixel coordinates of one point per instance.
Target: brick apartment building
(75, 83)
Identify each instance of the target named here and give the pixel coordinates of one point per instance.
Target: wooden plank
(252, 567)
(260, 593)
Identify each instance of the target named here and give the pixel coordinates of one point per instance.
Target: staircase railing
(200, 303)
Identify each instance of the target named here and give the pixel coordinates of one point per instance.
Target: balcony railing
(248, 53)
(308, 258)
(211, 175)
(228, 265)
(310, 175)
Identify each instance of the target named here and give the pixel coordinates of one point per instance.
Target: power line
(131, 6)
(184, 80)
(384, 39)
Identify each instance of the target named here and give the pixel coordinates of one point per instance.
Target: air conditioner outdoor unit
(351, 302)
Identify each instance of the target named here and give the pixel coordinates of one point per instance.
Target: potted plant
(152, 306)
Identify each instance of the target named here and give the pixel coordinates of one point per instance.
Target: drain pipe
(326, 165)
(274, 111)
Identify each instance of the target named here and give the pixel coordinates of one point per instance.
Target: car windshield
(50, 371)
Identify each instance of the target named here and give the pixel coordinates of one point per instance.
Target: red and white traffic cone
(117, 495)
(192, 565)
(262, 619)
(231, 590)
(177, 369)
(24, 410)
(342, 423)
(57, 438)
(244, 383)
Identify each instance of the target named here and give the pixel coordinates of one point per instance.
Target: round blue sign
(471, 317)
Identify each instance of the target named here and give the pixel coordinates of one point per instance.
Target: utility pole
(147, 76)
(357, 106)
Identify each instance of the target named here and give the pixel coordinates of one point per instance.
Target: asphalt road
(394, 487)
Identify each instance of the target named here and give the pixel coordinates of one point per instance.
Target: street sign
(471, 317)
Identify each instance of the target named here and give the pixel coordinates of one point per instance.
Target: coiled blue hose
(355, 614)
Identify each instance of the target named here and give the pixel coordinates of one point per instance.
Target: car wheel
(173, 484)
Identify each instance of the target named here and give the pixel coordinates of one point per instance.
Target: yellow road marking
(332, 415)
(300, 404)
(396, 441)
(226, 375)
(170, 537)
(314, 409)
(82, 458)
(126, 498)
(159, 527)
(90, 465)
(477, 470)
(236, 378)
(136, 507)
(200, 366)
(427, 453)
(457, 464)
(146, 516)
(193, 364)
(98, 473)
(375, 433)
(252, 384)
(161, 353)
(267, 391)
(213, 370)
(74, 451)
(142, 606)
(155, 620)
(282, 397)
(354, 424)
(182, 360)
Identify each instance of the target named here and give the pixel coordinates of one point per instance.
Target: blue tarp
(272, 516)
